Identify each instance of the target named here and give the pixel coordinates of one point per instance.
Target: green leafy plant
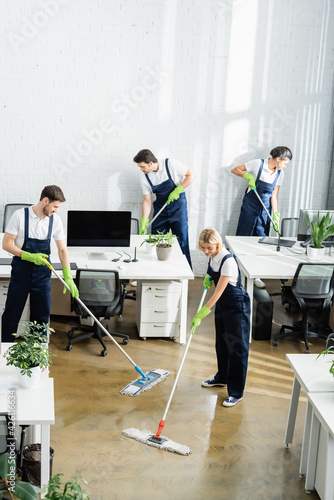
(329, 350)
(150, 238)
(72, 489)
(10, 486)
(320, 228)
(32, 350)
(164, 240)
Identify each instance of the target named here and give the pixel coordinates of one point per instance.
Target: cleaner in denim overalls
(253, 220)
(232, 317)
(167, 179)
(28, 238)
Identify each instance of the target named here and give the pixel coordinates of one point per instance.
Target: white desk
(32, 407)
(257, 260)
(319, 472)
(313, 376)
(148, 267)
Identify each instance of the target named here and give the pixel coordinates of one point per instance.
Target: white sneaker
(259, 283)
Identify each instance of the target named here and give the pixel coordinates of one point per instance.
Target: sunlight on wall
(236, 133)
(241, 56)
(167, 60)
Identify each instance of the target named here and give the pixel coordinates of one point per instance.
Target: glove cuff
(67, 272)
(180, 189)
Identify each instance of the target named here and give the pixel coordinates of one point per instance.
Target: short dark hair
(281, 152)
(146, 156)
(54, 193)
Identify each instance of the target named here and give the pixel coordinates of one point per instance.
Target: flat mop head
(142, 384)
(162, 443)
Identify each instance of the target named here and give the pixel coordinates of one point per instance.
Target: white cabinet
(4, 284)
(158, 308)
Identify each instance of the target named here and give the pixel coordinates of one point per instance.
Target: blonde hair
(210, 236)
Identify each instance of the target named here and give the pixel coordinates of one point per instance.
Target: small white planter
(29, 382)
(315, 254)
(149, 247)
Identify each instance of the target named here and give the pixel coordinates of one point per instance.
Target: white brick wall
(214, 83)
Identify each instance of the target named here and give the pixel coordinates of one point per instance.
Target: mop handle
(157, 215)
(259, 197)
(95, 319)
(162, 422)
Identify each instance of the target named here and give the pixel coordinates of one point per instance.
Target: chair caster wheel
(125, 341)
(274, 343)
(142, 338)
(69, 347)
(104, 352)
(307, 351)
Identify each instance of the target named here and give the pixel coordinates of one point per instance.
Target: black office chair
(289, 227)
(10, 208)
(101, 291)
(312, 289)
(130, 294)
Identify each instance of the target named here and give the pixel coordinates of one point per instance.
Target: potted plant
(71, 489)
(163, 244)
(320, 230)
(31, 354)
(10, 486)
(329, 350)
(149, 243)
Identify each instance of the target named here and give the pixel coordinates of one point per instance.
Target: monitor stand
(97, 256)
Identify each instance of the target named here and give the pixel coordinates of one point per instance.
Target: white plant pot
(29, 382)
(149, 247)
(315, 254)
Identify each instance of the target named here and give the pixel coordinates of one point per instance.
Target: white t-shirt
(38, 228)
(252, 167)
(229, 268)
(177, 170)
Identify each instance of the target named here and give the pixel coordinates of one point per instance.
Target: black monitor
(304, 232)
(98, 229)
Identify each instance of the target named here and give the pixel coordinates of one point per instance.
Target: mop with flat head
(156, 440)
(146, 381)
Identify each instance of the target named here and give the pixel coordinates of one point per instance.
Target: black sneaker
(212, 383)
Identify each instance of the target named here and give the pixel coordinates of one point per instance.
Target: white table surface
(32, 407)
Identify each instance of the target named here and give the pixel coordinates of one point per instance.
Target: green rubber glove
(250, 179)
(276, 218)
(174, 195)
(199, 316)
(143, 225)
(35, 258)
(69, 281)
(207, 282)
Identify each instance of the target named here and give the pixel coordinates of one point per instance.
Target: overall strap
(167, 169)
(259, 172)
(50, 227)
(228, 256)
(26, 223)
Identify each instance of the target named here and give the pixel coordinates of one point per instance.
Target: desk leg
(329, 479)
(45, 456)
(292, 412)
(312, 453)
(183, 311)
(306, 440)
(250, 289)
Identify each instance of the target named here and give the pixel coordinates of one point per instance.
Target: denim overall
(27, 277)
(253, 220)
(174, 216)
(232, 322)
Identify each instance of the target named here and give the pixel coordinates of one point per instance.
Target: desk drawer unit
(158, 309)
(4, 284)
